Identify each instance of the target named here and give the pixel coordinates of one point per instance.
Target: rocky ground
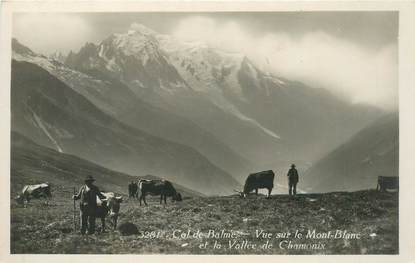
(364, 222)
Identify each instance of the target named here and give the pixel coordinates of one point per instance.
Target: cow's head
(19, 199)
(241, 193)
(47, 191)
(177, 197)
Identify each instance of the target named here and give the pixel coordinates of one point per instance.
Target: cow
(34, 191)
(108, 206)
(387, 182)
(163, 188)
(255, 181)
(133, 190)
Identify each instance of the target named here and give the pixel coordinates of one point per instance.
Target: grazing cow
(257, 181)
(34, 191)
(387, 182)
(157, 187)
(108, 206)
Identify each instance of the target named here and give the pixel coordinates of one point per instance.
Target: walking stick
(74, 212)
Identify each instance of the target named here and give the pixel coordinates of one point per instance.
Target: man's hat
(292, 165)
(89, 178)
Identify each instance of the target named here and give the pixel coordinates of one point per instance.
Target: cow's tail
(140, 186)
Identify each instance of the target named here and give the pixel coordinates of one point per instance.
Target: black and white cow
(163, 188)
(110, 206)
(34, 192)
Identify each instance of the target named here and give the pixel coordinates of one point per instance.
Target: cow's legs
(46, 199)
(143, 197)
(103, 223)
(256, 191)
(115, 222)
(269, 192)
(165, 199)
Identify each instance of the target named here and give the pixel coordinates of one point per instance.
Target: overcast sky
(351, 53)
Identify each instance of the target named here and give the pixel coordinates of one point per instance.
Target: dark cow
(108, 206)
(34, 191)
(133, 190)
(387, 182)
(255, 181)
(157, 187)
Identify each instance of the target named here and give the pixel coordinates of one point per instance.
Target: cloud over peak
(361, 74)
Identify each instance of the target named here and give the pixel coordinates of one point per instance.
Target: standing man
(88, 194)
(292, 180)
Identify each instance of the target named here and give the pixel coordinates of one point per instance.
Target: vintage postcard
(206, 129)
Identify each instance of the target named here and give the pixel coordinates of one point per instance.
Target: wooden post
(74, 211)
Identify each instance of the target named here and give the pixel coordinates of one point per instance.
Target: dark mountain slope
(356, 164)
(311, 121)
(52, 114)
(32, 163)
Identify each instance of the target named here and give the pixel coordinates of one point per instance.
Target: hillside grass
(48, 228)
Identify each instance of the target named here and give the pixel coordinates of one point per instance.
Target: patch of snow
(255, 123)
(39, 60)
(138, 82)
(279, 81)
(164, 88)
(136, 27)
(112, 65)
(101, 51)
(43, 128)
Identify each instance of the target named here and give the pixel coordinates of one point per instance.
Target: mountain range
(265, 118)
(143, 102)
(50, 113)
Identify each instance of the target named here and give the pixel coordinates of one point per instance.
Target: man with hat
(292, 180)
(88, 194)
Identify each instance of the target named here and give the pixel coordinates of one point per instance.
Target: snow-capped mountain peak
(58, 56)
(142, 29)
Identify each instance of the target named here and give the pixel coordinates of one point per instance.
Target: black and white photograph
(205, 133)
